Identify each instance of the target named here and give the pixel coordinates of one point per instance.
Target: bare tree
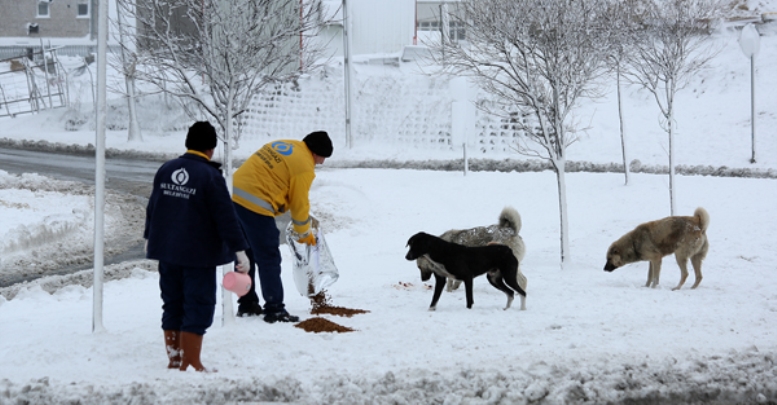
(536, 58)
(218, 54)
(672, 43)
(622, 32)
(126, 64)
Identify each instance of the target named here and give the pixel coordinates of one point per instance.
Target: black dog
(465, 263)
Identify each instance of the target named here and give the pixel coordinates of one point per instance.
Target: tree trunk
(559, 166)
(670, 130)
(134, 134)
(228, 315)
(622, 128)
(129, 81)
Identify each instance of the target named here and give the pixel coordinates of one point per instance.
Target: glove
(242, 265)
(308, 239)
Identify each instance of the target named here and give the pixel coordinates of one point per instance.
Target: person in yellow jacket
(275, 179)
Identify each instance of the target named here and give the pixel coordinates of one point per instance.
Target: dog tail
(704, 218)
(510, 218)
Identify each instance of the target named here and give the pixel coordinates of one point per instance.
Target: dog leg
(696, 262)
(468, 289)
(439, 283)
(682, 261)
(496, 280)
(513, 283)
(650, 274)
(654, 273)
(522, 282)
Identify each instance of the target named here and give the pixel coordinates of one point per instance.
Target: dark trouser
(188, 297)
(263, 238)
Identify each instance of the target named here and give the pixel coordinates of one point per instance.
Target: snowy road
(128, 175)
(128, 185)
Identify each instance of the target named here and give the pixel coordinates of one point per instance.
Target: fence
(13, 51)
(389, 106)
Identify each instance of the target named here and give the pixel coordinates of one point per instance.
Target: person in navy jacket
(191, 227)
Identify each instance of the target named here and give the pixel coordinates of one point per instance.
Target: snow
(587, 335)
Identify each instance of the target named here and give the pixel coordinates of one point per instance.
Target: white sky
(586, 334)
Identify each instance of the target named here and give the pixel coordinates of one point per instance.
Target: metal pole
(752, 104)
(99, 170)
(347, 75)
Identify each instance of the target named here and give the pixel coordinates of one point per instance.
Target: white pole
(347, 75)
(99, 170)
(752, 105)
(750, 42)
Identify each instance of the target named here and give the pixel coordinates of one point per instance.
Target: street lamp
(750, 41)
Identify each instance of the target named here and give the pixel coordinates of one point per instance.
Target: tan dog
(686, 237)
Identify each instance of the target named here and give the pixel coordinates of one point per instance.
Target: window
(428, 25)
(455, 29)
(43, 8)
(83, 9)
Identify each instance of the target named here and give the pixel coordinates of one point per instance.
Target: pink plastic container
(236, 282)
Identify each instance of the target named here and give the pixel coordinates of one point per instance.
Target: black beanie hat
(319, 143)
(201, 136)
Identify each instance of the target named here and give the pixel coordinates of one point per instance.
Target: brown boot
(173, 348)
(191, 344)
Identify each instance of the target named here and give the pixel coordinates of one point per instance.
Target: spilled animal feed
(318, 325)
(322, 304)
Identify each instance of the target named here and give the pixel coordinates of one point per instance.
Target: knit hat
(319, 143)
(201, 136)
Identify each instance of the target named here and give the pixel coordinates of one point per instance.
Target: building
(70, 25)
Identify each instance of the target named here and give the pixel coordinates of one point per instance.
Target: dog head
(419, 245)
(614, 258)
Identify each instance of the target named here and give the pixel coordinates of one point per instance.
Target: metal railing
(36, 81)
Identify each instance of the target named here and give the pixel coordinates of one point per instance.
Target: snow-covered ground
(587, 335)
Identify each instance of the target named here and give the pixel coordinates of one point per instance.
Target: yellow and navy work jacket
(276, 179)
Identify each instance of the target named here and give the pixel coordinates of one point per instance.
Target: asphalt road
(133, 176)
(130, 176)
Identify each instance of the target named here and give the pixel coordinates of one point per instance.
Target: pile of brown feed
(322, 304)
(318, 325)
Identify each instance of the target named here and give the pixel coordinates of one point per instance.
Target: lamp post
(750, 41)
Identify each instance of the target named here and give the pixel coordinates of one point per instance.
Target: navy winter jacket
(190, 218)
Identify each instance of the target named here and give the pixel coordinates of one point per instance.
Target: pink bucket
(237, 282)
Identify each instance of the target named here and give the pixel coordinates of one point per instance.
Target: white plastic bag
(313, 267)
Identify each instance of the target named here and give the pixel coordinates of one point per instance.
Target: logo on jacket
(180, 177)
(283, 148)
